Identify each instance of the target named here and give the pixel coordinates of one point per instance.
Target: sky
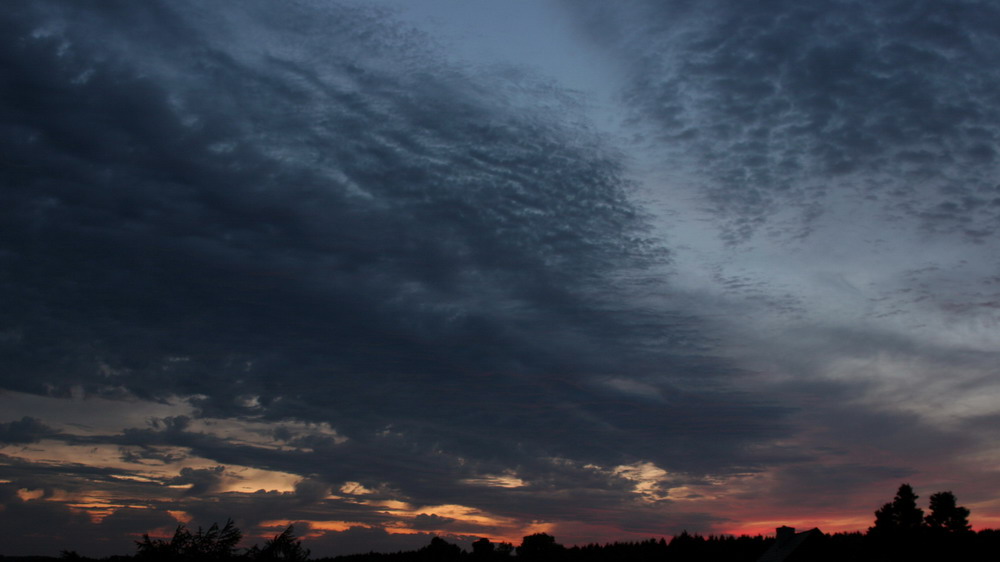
(395, 269)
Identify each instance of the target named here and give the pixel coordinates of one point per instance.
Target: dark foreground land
(859, 547)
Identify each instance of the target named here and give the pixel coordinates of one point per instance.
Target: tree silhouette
(218, 543)
(213, 544)
(283, 547)
(686, 547)
(539, 546)
(483, 549)
(946, 516)
(901, 515)
(504, 550)
(440, 550)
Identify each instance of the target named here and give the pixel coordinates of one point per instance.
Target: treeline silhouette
(542, 547)
(901, 533)
(219, 544)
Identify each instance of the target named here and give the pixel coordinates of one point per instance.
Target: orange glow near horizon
(473, 522)
(751, 512)
(314, 525)
(847, 524)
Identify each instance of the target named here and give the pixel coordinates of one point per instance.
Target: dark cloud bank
(301, 214)
(289, 213)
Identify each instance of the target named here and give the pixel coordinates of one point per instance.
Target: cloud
(145, 453)
(25, 430)
(201, 480)
(440, 264)
(309, 490)
(348, 240)
(43, 527)
(767, 107)
(432, 521)
(365, 231)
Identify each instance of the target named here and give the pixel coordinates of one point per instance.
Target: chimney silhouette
(784, 534)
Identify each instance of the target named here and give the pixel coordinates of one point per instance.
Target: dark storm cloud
(50, 522)
(308, 490)
(426, 477)
(771, 105)
(25, 430)
(431, 521)
(269, 213)
(201, 481)
(293, 213)
(170, 434)
(398, 231)
(126, 486)
(194, 491)
(35, 527)
(143, 453)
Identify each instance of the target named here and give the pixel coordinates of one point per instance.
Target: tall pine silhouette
(901, 515)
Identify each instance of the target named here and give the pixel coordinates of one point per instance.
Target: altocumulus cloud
(301, 214)
(771, 106)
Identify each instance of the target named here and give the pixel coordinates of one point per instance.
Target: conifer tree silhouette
(901, 515)
(946, 515)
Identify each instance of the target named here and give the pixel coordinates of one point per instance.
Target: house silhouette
(790, 546)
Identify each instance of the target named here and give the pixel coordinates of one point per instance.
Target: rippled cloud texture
(318, 263)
